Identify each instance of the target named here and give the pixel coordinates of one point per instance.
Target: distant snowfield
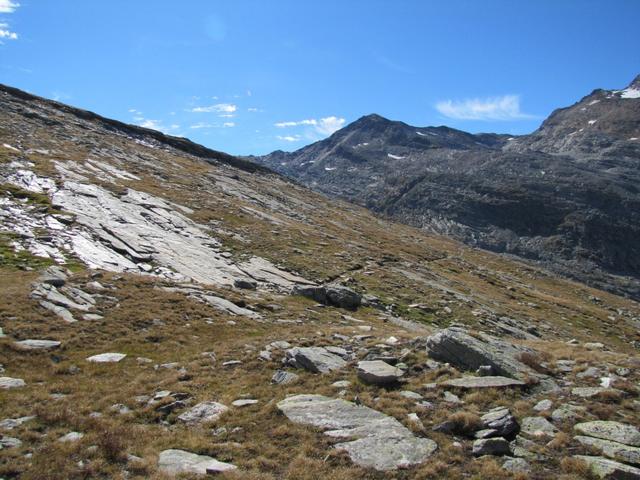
(329, 169)
(395, 157)
(630, 93)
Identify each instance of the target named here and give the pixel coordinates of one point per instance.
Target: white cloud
(289, 138)
(6, 33)
(253, 109)
(323, 126)
(506, 107)
(328, 125)
(295, 124)
(228, 124)
(199, 125)
(8, 6)
(157, 125)
(218, 108)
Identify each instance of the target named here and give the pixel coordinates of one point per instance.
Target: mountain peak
(635, 83)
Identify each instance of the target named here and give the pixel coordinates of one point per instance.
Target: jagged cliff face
(565, 196)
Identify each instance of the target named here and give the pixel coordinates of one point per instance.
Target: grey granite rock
(371, 438)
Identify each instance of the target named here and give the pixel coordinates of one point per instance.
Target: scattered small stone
(491, 446)
(71, 437)
(282, 377)
(243, 402)
(8, 382)
(203, 412)
(451, 398)
(543, 405)
(107, 358)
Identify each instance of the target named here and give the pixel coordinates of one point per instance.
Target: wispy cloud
(157, 125)
(504, 108)
(6, 33)
(225, 108)
(310, 121)
(289, 138)
(8, 6)
(323, 126)
(206, 126)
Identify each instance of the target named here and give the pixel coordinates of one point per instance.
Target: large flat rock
(609, 469)
(177, 462)
(372, 439)
(8, 382)
(483, 382)
(614, 431)
(37, 344)
(106, 357)
(616, 451)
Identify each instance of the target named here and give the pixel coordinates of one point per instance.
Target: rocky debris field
(169, 313)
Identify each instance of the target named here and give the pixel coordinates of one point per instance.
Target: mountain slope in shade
(566, 195)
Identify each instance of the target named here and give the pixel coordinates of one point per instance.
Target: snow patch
(593, 102)
(329, 169)
(591, 122)
(395, 157)
(630, 93)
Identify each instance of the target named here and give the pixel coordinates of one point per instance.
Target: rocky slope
(170, 310)
(565, 195)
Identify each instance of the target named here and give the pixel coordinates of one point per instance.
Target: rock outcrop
(375, 440)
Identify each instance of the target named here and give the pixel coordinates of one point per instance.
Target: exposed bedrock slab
(375, 440)
(121, 232)
(177, 462)
(607, 430)
(106, 357)
(609, 469)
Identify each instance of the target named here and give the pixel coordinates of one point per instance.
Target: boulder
(377, 372)
(609, 469)
(543, 405)
(243, 402)
(516, 465)
(71, 437)
(538, 427)
(483, 382)
(616, 451)
(203, 412)
(245, 284)
(500, 422)
(607, 430)
(491, 446)
(177, 462)
(370, 438)
(457, 347)
(334, 295)
(314, 359)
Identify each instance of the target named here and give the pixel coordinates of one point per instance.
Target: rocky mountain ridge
(167, 313)
(565, 196)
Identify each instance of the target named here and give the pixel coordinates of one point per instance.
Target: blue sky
(254, 76)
